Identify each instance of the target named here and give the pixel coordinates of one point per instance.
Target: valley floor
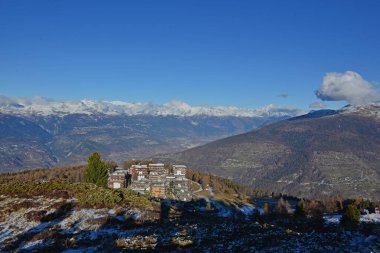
(58, 225)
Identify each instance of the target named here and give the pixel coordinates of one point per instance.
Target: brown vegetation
(222, 185)
(337, 204)
(70, 174)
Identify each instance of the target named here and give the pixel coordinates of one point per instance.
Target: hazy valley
(44, 133)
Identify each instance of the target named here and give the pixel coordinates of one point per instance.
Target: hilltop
(50, 210)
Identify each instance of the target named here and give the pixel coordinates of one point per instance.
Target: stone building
(158, 168)
(179, 170)
(118, 179)
(138, 172)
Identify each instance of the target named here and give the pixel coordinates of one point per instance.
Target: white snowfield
(364, 218)
(44, 106)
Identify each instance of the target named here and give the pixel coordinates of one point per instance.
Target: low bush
(87, 194)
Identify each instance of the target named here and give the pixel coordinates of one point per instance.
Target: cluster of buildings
(157, 179)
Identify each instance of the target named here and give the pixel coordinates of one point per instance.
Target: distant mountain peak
(369, 110)
(44, 106)
(357, 108)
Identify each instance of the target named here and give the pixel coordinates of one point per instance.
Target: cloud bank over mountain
(44, 106)
(348, 86)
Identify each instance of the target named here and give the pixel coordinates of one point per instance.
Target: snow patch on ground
(16, 222)
(86, 223)
(31, 245)
(365, 218)
(222, 210)
(247, 210)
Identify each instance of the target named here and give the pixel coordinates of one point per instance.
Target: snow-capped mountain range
(44, 107)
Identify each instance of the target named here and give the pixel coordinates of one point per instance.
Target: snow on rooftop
(180, 166)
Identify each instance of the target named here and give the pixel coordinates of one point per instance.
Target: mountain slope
(320, 153)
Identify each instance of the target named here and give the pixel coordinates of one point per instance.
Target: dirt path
(200, 187)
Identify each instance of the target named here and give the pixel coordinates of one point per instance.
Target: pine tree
(96, 171)
(351, 217)
(300, 210)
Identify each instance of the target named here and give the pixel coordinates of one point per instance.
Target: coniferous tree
(351, 217)
(300, 209)
(96, 171)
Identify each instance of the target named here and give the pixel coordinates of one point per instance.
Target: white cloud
(348, 86)
(317, 105)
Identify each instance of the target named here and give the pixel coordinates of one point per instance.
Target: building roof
(158, 183)
(119, 172)
(156, 165)
(179, 166)
(139, 166)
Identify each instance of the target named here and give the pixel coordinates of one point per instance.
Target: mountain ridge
(44, 107)
(338, 153)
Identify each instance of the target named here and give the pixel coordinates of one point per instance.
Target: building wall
(139, 173)
(156, 180)
(156, 191)
(179, 171)
(116, 185)
(120, 179)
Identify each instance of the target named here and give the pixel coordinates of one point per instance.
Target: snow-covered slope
(370, 110)
(44, 106)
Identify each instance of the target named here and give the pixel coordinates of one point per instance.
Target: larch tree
(96, 170)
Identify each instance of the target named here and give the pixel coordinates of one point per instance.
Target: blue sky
(241, 53)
